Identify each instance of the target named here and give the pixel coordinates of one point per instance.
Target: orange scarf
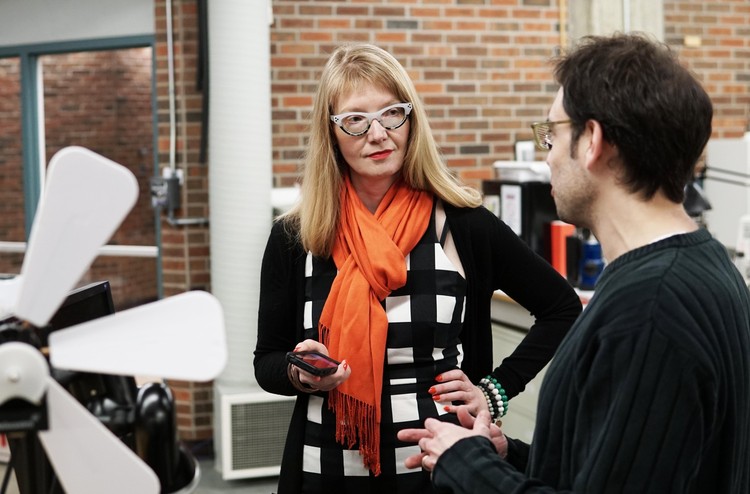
(370, 254)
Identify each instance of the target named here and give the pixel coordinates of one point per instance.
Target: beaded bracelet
(490, 404)
(494, 393)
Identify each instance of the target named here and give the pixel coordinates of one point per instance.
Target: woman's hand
(311, 382)
(454, 386)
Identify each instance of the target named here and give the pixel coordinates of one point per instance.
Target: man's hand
(496, 434)
(438, 436)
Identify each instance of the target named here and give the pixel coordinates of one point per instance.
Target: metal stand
(33, 471)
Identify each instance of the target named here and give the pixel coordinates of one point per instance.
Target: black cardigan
(493, 258)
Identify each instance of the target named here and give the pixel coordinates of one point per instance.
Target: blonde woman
(388, 264)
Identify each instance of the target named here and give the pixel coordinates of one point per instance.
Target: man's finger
(414, 461)
(482, 423)
(412, 435)
(428, 463)
(431, 425)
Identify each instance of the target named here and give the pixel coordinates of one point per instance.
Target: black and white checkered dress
(424, 322)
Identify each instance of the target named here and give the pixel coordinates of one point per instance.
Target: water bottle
(592, 263)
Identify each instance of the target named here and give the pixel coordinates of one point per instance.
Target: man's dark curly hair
(650, 107)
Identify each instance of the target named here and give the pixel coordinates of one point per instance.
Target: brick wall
(182, 243)
(481, 67)
(722, 61)
(100, 100)
(478, 65)
(11, 172)
(185, 248)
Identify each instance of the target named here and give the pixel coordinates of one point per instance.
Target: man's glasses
(356, 123)
(543, 133)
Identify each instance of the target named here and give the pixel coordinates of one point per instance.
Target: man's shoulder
(669, 294)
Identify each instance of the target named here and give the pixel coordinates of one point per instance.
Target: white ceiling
(25, 22)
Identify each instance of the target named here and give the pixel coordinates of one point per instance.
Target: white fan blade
(86, 198)
(179, 337)
(86, 456)
(8, 295)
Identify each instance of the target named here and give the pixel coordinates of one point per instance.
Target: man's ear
(594, 133)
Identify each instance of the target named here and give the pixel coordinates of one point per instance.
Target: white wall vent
(253, 433)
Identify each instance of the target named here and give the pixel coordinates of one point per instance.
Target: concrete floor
(210, 482)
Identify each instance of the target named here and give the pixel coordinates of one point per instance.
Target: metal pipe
(185, 221)
(626, 15)
(173, 121)
(563, 24)
(105, 250)
(170, 71)
(727, 181)
(728, 172)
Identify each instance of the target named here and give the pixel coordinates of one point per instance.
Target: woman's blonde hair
(350, 67)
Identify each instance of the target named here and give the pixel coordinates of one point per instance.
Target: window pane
(12, 215)
(102, 100)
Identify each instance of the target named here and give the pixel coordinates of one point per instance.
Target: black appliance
(526, 207)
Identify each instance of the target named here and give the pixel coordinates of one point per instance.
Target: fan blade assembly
(179, 337)
(182, 337)
(8, 295)
(86, 198)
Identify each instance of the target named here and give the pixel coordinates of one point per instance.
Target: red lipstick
(380, 155)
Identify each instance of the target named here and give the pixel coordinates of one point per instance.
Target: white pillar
(240, 170)
(603, 17)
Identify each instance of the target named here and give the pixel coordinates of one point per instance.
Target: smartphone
(313, 362)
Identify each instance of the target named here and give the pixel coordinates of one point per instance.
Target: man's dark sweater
(648, 393)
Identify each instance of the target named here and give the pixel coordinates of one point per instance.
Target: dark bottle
(592, 263)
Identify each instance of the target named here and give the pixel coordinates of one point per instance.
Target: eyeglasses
(356, 123)
(543, 133)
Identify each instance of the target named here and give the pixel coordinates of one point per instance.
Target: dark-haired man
(650, 390)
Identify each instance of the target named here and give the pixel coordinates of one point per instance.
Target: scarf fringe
(355, 422)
